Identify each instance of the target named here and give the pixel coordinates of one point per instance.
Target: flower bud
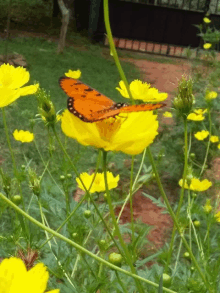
(23, 167)
(34, 182)
(16, 199)
(166, 280)
(75, 235)
(69, 176)
(197, 224)
(115, 259)
(46, 107)
(186, 255)
(87, 214)
(102, 244)
(184, 99)
(207, 207)
(62, 177)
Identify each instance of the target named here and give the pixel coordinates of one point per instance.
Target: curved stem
(208, 146)
(174, 218)
(181, 193)
(113, 50)
(79, 247)
(131, 201)
(117, 231)
(15, 171)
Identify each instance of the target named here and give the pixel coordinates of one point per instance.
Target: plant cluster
(80, 239)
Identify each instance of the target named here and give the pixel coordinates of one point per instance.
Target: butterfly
(91, 106)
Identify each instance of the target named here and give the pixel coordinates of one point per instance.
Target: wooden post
(65, 21)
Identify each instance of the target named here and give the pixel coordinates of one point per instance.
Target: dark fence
(166, 22)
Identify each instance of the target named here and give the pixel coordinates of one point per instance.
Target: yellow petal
(73, 74)
(28, 90)
(8, 96)
(13, 77)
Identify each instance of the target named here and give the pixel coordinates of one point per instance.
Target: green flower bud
(62, 177)
(184, 99)
(115, 259)
(23, 167)
(69, 175)
(75, 235)
(194, 195)
(46, 107)
(34, 182)
(166, 280)
(186, 255)
(192, 269)
(87, 214)
(102, 244)
(197, 224)
(192, 156)
(16, 199)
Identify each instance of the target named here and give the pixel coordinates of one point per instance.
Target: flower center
(109, 127)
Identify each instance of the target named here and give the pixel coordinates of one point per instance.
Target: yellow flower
(200, 135)
(131, 133)
(73, 74)
(211, 95)
(207, 46)
(15, 278)
(207, 207)
(217, 217)
(219, 146)
(206, 20)
(196, 184)
(141, 91)
(167, 115)
(195, 117)
(11, 81)
(200, 111)
(23, 136)
(214, 138)
(98, 184)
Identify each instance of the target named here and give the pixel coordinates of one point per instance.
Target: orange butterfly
(91, 106)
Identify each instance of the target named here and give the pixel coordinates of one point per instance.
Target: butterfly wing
(84, 101)
(123, 108)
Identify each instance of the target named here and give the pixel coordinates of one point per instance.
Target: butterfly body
(91, 106)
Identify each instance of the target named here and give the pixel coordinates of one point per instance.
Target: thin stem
(77, 246)
(43, 218)
(120, 282)
(112, 48)
(208, 146)
(117, 231)
(46, 167)
(87, 190)
(15, 171)
(174, 218)
(181, 194)
(131, 201)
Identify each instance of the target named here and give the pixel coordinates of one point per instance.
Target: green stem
(86, 190)
(46, 167)
(120, 282)
(174, 218)
(208, 146)
(117, 231)
(67, 219)
(26, 231)
(77, 246)
(181, 194)
(131, 201)
(113, 50)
